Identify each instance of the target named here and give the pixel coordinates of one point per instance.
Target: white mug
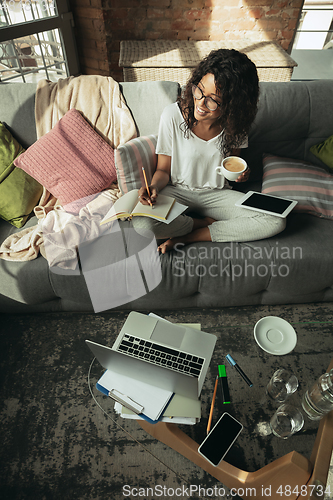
(229, 174)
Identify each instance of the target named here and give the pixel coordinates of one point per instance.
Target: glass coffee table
(271, 466)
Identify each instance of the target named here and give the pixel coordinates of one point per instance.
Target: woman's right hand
(160, 179)
(144, 197)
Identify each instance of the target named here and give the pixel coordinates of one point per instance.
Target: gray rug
(62, 440)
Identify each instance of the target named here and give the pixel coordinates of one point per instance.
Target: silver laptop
(172, 357)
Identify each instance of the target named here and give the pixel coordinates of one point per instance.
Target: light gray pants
(232, 223)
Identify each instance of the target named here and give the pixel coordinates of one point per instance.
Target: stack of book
(137, 400)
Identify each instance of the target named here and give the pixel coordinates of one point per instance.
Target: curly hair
(236, 81)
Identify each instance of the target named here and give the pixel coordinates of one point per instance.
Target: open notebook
(129, 206)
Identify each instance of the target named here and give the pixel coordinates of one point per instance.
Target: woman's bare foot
(167, 245)
(198, 233)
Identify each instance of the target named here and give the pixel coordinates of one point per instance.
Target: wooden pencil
(147, 187)
(212, 406)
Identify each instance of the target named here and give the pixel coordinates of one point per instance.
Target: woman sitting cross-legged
(209, 122)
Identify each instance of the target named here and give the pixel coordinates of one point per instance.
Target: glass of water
(286, 421)
(282, 384)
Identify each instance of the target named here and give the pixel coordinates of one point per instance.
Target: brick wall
(102, 24)
(91, 36)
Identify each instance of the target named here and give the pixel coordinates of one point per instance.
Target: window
(314, 29)
(36, 40)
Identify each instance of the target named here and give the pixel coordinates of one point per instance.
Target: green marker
(223, 383)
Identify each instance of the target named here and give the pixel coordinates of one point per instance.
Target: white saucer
(275, 335)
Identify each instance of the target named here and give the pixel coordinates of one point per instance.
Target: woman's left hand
(244, 176)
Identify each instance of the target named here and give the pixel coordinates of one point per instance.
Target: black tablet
(273, 205)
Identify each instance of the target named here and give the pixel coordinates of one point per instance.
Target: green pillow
(19, 192)
(324, 151)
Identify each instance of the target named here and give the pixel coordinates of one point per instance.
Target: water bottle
(318, 400)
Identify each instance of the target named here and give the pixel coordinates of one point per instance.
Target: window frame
(62, 21)
(313, 6)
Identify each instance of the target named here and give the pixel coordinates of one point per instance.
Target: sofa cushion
(19, 192)
(131, 157)
(324, 151)
(311, 186)
(17, 103)
(292, 117)
(72, 161)
(146, 100)
(25, 282)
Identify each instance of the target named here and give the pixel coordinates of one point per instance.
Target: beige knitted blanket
(97, 97)
(103, 106)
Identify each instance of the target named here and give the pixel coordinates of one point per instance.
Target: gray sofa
(292, 117)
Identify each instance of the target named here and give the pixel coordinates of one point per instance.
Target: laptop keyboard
(161, 355)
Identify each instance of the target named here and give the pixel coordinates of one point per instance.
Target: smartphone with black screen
(220, 439)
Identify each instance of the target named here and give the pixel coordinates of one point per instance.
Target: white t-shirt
(193, 160)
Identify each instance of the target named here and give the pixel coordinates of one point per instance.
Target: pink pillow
(72, 161)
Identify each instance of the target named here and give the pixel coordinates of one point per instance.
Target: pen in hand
(147, 187)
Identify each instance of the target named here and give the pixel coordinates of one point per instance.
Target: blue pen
(240, 371)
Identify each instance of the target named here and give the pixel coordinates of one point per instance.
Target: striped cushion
(129, 160)
(311, 186)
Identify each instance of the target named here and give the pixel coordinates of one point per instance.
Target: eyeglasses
(209, 101)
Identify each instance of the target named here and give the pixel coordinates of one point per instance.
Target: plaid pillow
(129, 160)
(298, 180)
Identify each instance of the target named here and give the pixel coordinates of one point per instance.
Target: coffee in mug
(233, 164)
(232, 167)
